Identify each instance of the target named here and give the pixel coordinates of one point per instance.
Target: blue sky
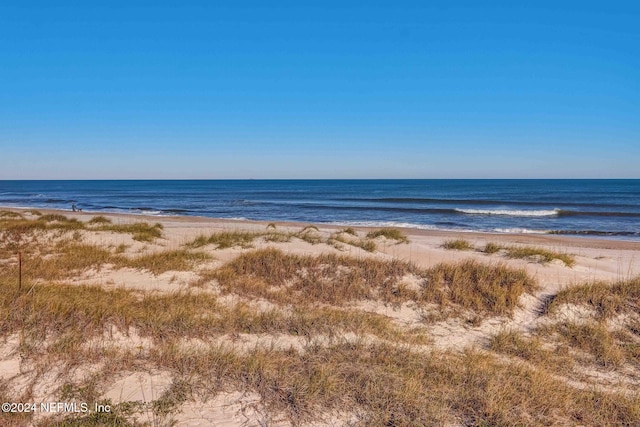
(327, 89)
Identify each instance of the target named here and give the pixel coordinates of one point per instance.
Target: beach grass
(458, 245)
(543, 255)
(226, 239)
(389, 233)
(319, 337)
(483, 288)
(607, 299)
(537, 254)
(491, 248)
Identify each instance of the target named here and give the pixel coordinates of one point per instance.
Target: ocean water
(574, 207)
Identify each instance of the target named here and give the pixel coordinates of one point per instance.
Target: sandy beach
(120, 357)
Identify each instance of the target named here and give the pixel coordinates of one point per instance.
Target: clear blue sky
(345, 89)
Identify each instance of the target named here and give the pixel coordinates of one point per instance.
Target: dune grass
(366, 244)
(10, 214)
(458, 245)
(349, 230)
(362, 365)
(390, 385)
(608, 299)
(67, 316)
(543, 255)
(376, 368)
(140, 231)
(484, 288)
(491, 248)
(389, 233)
(540, 255)
(99, 220)
(160, 262)
(337, 280)
(532, 349)
(331, 279)
(310, 234)
(226, 239)
(592, 338)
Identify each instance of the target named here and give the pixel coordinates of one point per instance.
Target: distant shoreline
(517, 238)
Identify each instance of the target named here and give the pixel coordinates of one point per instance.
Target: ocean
(572, 207)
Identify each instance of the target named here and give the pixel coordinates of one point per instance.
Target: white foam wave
(385, 224)
(519, 230)
(508, 212)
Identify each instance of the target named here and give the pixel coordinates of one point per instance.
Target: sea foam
(508, 212)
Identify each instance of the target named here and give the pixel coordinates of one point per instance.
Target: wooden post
(19, 270)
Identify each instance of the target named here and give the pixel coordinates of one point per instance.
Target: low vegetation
(304, 332)
(489, 289)
(227, 239)
(608, 300)
(540, 255)
(458, 245)
(140, 231)
(389, 233)
(338, 280)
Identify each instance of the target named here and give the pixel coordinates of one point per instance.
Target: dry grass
(607, 299)
(389, 233)
(491, 289)
(67, 316)
(536, 254)
(227, 239)
(458, 245)
(365, 366)
(99, 220)
(331, 279)
(68, 260)
(533, 349)
(608, 344)
(337, 280)
(160, 262)
(592, 338)
(140, 231)
(366, 244)
(310, 234)
(390, 385)
(491, 248)
(242, 239)
(542, 255)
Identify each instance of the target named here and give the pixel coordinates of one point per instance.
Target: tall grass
(493, 289)
(390, 385)
(337, 280)
(607, 299)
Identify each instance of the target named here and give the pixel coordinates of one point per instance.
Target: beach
(240, 319)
